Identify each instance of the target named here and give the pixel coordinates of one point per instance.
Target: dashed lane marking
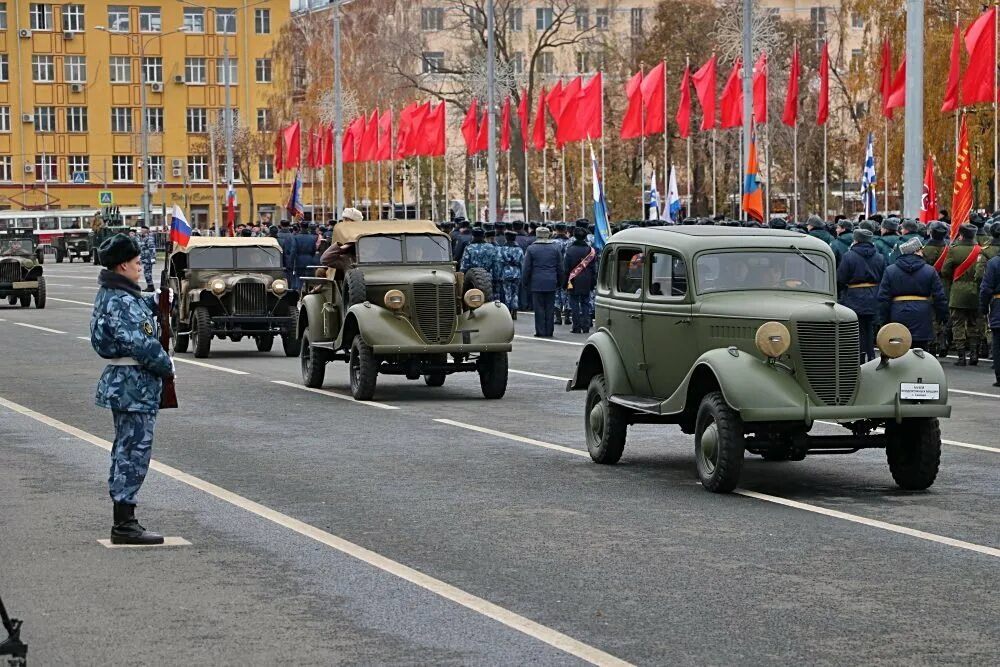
(86, 338)
(82, 303)
(333, 394)
(86, 287)
(204, 365)
(548, 340)
(444, 590)
(35, 326)
(515, 438)
(541, 375)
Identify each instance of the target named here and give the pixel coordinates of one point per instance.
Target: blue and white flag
(602, 228)
(868, 178)
(654, 199)
(672, 208)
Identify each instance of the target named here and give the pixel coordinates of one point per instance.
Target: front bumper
(442, 349)
(18, 288)
(245, 325)
(807, 413)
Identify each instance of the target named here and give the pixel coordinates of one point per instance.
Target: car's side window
(605, 272)
(628, 271)
(667, 277)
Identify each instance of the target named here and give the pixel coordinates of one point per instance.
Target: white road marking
(82, 303)
(541, 375)
(333, 394)
(515, 438)
(953, 443)
(204, 365)
(549, 340)
(483, 607)
(35, 326)
(87, 287)
(86, 338)
(167, 542)
(972, 393)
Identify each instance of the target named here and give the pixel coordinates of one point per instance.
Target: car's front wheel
(914, 452)
(201, 331)
(604, 423)
(492, 367)
(264, 342)
(290, 344)
(718, 444)
(25, 300)
(313, 363)
(364, 370)
(180, 340)
(40, 294)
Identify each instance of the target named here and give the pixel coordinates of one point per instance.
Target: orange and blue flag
(753, 197)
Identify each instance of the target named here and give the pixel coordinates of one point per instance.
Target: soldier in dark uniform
(125, 333)
(858, 277)
(982, 234)
(888, 239)
(462, 239)
(910, 231)
(989, 304)
(580, 269)
(816, 229)
(911, 293)
(845, 237)
(511, 259)
(483, 255)
(959, 276)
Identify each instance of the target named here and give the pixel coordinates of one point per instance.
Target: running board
(638, 403)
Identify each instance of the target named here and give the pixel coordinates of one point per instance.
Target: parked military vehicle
(231, 288)
(401, 309)
(21, 269)
(736, 336)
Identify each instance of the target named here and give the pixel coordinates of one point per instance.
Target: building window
(154, 169)
(152, 70)
(40, 16)
(601, 19)
(43, 69)
(545, 63)
(857, 20)
(517, 62)
(75, 69)
(149, 19)
(197, 168)
(860, 110)
(3, 15)
(857, 60)
(45, 168)
(78, 164)
(195, 70)
(4, 67)
(6, 171)
(220, 71)
(197, 120)
(263, 70)
(121, 120)
(76, 119)
(220, 118)
(194, 19)
(120, 68)
(225, 21)
(45, 119)
(515, 19)
(582, 61)
(121, 169)
(432, 62)
(543, 18)
(222, 172)
(154, 119)
(72, 18)
(635, 21)
(262, 21)
(4, 119)
(582, 18)
(817, 17)
(265, 168)
(432, 18)
(263, 120)
(118, 18)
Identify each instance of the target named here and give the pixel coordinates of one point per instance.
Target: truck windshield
(211, 258)
(428, 249)
(258, 258)
(19, 247)
(380, 249)
(763, 270)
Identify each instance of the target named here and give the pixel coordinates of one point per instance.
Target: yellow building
(71, 98)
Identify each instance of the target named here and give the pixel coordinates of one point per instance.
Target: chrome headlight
(218, 287)
(394, 299)
(773, 339)
(279, 287)
(474, 298)
(893, 340)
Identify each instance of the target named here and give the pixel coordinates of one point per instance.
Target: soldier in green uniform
(982, 233)
(888, 239)
(936, 244)
(911, 231)
(990, 250)
(959, 277)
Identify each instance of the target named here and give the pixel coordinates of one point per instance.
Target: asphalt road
(435, 527)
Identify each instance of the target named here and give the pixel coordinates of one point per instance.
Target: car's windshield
(18, 247)
(258, 258)
(211, 258)
(763, 270)
(428, 248)
(380, 249)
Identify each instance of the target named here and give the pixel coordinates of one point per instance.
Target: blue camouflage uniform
(147, 255)
(562, 305)
(484, 256)
(511, 258)
(123, 326)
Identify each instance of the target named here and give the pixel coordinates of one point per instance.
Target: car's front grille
(249, 298)
(831, 358)
(10, 272)
(434, 311)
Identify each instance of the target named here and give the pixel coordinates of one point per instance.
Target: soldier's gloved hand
(170, 296)
(173, 367)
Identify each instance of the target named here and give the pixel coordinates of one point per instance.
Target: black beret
(117, 250)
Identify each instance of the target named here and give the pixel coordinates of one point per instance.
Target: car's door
(668, 342)
(624, 312)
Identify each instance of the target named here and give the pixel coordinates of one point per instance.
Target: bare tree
(249, 147)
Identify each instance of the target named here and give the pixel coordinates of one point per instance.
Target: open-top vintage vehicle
(21, 269)
(231, 288)
(736, 336)
(403, 310)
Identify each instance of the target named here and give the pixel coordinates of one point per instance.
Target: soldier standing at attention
(542, 274)
(580, 267)
(990, 250)
(937, 231)
(911, 294)
(959, 276)
(911, 230)
(888, 239)
(124, 332)
(511, 258)
(858, 278)
(989, 304)
(845, 236)
(147, 255)
(483, 255)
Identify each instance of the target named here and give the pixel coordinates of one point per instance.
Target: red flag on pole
(897, 93)
(328, 145)
(980, 42)
(538, 130)
(405, 129)
(684, 106)
(429, 139)
(731, 100)
(470, 128)
(566, 120)
(483, 138)
(522, 116)
(704, 87)
(652, 97)
(961, 201)
(279, 152)
(416, 143)
(554, 101)
(632, 122)
(348, 144)
(293, 147)
(369, 140)
(885, 87)
(823, 104)
(505, 126)
(311, 149)
(760, 89)
(928, 202)
(791, 115)
(954, 72)
(385, 136)
(590, 109)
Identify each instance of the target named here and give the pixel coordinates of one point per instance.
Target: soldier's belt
(911, 297)
(996, 296)
(856, 285)
(121, 361)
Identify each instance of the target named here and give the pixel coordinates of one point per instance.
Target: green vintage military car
(73, 244)
(21, 269)
(736, 336)
(401, 309)
(231, 288)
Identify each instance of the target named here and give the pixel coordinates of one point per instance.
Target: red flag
(823, 104)
(404, 130)
(416, 143)
(951, 90)
(483, 138)
(632, 122)
(928, 202)
(279, 152)
(522, 116)
(538, 140)
(469, 127)
(791, 115)
(980, 42)
(348, 143)
(369, 140)
(897, 93)
(885, 86)
(704, 87)
(961, 199)
(430, 139)
(311, 149)
(567, 121)
(591, 110)
(684, 106)
(328, 145)
(653, 95)
(760, 89)
(505, 126)
(384, 136)
(554, 101)
(293, 147)
(732, 98)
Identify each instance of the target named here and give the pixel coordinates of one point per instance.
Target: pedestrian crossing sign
(79, 177)
(105, 198)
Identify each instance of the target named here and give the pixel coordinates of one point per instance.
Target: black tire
(201, 330)
(290, 344)
(25, 301)
(40, 294)
(59, 257)
(12, 300)
(180, 342)
(914, 452)
(357, 290)
(364, 370)
(434, 379)
(264, 343)
(604, 423)
(718, 444)
(313, 363)
(492, 367)
(479, 279)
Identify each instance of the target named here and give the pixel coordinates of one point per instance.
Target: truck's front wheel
(718, 444)
(364, 370)
(492, 368)
(604, 423)
(313, 363)
(201, 331)
(914, 452)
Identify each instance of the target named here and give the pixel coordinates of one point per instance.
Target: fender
(311, 312)
(600, 355)
(490, 323)
(203, 297)
(880, 385)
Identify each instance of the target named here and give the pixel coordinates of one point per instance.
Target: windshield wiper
(803, 256)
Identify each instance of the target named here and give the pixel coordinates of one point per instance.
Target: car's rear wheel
(364, 370)
(201, 331)
(40, 294)
(718, 444)
(313, 363)
(434, 379)
(480, 279)
(264, 343)
(604, 423)
(180, 341)
(914, 452)
(25, 300)
(356, 288)
(492, 367)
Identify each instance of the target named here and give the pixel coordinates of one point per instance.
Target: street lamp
(143, 123)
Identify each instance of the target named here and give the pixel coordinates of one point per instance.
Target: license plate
(913, 391)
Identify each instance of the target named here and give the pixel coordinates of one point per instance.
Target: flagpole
(354, 177)
(583, 184)
(322, 189)
(602, 135)
(826, 173)
(739, 171)
(666, 135)
(545, 180)
(418, 187)
(996, 119)
(475, 171)
(508, 184)
(958, 107)
(433, 193)
(562, 213)
(689, 175)
(715, 187)
(447, 201)
(795, 169)
(368, 192)
(885, 167)
(767, 167)
(524, 190)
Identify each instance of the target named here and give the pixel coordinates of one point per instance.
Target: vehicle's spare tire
(480, 279)
(355, 287)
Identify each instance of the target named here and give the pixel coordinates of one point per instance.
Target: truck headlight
(394, 299)
(218, 287)
(474, 298)
(894, 340)
(773, 339)
(279, 287)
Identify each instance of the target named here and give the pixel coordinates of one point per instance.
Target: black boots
(126, 530)
(513, 315)
(974, 358)
(961, 360)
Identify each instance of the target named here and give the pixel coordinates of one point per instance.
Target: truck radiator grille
(249, 298)
(831, 358)
(10, 272)
(434, 311)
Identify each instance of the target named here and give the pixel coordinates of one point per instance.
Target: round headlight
(773, 339)
(279, 286)
(394, 299)
(474, 298)
(894, 340)
(219, 286)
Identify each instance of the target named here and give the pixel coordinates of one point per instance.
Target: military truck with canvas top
(231, 288)
(736, 336)
(21, 269)
(395, 305)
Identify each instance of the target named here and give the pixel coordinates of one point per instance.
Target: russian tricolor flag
(180, 230)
